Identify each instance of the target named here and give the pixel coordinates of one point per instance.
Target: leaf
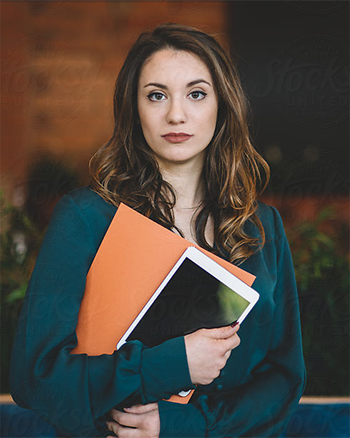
(16, 294)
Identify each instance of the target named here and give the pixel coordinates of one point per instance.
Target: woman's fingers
(140, 421)
(232, 342)
(142, 409)
(131, 416)
(208, 350)
(123, 432)
(222, 332)
(126, 419)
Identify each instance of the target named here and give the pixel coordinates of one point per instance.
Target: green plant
(20, 241)
(321, 258)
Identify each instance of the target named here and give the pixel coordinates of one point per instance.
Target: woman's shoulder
(85, 197)
(88, 202)
(271, 220)
(81, 209)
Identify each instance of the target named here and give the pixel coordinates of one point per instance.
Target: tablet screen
(191, 300)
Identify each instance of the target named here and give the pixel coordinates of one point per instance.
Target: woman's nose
(176, 112)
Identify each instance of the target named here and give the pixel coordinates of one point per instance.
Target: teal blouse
(255, 393)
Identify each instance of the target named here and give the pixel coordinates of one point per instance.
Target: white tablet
(197, 293)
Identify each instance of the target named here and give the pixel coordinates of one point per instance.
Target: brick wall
(59, 64)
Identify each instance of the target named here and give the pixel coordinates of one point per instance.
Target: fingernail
(234, 324)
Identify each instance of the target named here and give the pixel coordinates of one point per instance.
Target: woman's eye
(156, 97)
(197, 95)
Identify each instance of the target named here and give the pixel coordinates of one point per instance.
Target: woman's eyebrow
(190, 84)
(198, 81)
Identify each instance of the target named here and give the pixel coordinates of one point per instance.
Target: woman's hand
(139, 421)
(207, 352)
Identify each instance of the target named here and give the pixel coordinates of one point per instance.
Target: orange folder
(133, 259)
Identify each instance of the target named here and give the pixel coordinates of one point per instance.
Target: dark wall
(293, 61)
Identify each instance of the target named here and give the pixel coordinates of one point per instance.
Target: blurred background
(59, 62)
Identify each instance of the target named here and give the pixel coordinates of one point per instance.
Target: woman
(180, 154)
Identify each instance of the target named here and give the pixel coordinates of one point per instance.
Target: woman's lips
(176, 137)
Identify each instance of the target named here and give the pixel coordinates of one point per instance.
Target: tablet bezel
(213, 268)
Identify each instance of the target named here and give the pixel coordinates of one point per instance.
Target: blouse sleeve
(74, 391)
(260, 407)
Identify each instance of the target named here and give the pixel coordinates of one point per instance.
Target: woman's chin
(181, 159)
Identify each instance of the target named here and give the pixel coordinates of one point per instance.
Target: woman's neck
(187, 182)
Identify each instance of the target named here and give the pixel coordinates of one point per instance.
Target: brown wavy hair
(125, 169)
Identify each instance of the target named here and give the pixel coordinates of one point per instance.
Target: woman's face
(177, 106)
